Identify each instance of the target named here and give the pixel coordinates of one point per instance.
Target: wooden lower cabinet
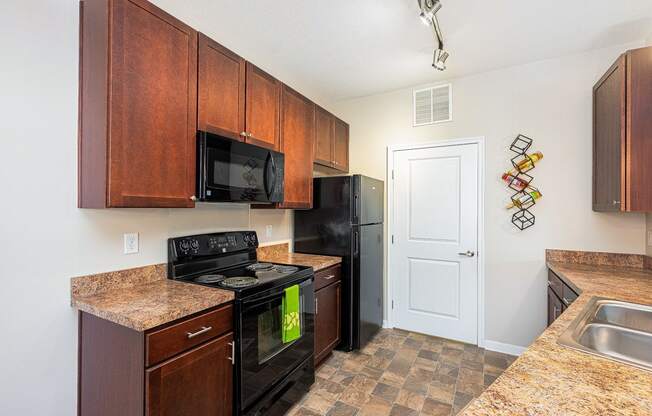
(560, 296)
(555, 307)
(183, 385)
(193, 377)
(328, 306)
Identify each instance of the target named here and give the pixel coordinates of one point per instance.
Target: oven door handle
(276, 294)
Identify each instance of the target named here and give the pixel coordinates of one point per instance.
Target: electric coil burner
(244, 281)
(210, 278)
(270, 375)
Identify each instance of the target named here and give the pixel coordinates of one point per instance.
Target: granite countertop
(549, 379)
(142, 298)
(280, 254)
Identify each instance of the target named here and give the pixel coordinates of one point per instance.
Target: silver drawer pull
(203, 330)
(566, 302)
(232, 357)
(329, 277)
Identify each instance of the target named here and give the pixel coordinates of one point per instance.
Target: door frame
(391, 150)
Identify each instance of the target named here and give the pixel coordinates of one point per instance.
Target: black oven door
(232, 171)
(264, 359)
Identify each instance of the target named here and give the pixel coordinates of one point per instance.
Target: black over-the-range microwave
(233, 171)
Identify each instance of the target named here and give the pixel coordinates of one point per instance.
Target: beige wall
(549, 101)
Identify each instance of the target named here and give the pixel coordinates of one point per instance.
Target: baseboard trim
(504, 348)
(386, 324)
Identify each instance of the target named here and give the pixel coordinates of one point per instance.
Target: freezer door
(371, 281)
(368, 200)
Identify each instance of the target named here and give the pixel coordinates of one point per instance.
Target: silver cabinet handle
(549, 283)
(554, 312)
(193, 198)
(316, 306)
(232, 357)
(329, 277)
(566, 302)
(616, 202)
(203, 330)
(243, 134)
(468, 253)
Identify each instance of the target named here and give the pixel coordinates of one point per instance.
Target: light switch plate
(268, 231)
(130, 243)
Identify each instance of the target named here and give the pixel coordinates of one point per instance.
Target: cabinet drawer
(327, 276)
(568, 295)
(555, 284)
(167, 342)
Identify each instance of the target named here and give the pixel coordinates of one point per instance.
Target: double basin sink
(613, 329)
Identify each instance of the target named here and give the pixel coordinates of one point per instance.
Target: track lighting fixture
(428, 15)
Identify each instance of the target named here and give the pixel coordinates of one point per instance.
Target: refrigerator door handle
(355, 243)
(355, 209)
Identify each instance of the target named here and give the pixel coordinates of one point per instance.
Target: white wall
(549, 101)
(44, 238)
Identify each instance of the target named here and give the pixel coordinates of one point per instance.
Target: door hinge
(392, 304)
(392, 238)
(392, 173)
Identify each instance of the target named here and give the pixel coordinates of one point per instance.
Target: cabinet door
(221, 108)
(262, 108)
(324, 132)
(327, 320)
(639, 126)
(341, 146)
(197, 383)
(555, 307)
(153, 108)
(297, 140)
(609, 140)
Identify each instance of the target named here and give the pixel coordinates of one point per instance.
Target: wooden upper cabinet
(324, 131)
(262, 108)
(331, 141)
(138, 109)
(198, 382)
(297, 141)
(221, 91)
(609, 139)
(341, 146)
(622, 143)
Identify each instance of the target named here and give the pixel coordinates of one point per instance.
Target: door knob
(468, 253)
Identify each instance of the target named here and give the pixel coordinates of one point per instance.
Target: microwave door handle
(273, 185)
(265, 177)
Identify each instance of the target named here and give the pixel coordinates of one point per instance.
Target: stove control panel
(212, 244)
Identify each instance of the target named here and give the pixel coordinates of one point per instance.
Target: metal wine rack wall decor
(519, 180)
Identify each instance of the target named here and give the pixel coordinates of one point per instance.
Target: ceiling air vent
(433, 105)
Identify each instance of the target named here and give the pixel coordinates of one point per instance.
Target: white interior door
(434, 266)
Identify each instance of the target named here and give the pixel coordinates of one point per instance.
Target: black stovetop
(213, 259)
(270, 277)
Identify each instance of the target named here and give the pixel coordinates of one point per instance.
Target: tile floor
(402, 373)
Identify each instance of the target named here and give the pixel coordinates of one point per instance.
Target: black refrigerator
(347, 221)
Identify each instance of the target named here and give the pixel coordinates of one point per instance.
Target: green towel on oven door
(291, 322)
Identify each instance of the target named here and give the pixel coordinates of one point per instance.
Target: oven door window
(265, 358)
(270, 340)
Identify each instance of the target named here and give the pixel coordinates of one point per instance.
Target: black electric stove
(270, 375)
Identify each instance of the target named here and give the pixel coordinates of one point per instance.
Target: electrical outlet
(268, 231)
(130, 243)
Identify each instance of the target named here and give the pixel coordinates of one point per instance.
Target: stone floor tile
(410, 399)
(398, 410)
(433, 407)
(342, 409)
(376, 406)
(386, 392)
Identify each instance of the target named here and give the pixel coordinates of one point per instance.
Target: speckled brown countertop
(279, 254)
(142, 298)
(549, 379)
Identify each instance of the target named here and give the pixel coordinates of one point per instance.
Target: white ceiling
(339, 49)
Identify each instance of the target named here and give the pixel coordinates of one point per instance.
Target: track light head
(439, 59)
(428, 10)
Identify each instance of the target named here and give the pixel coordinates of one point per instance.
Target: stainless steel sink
(613, 329)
